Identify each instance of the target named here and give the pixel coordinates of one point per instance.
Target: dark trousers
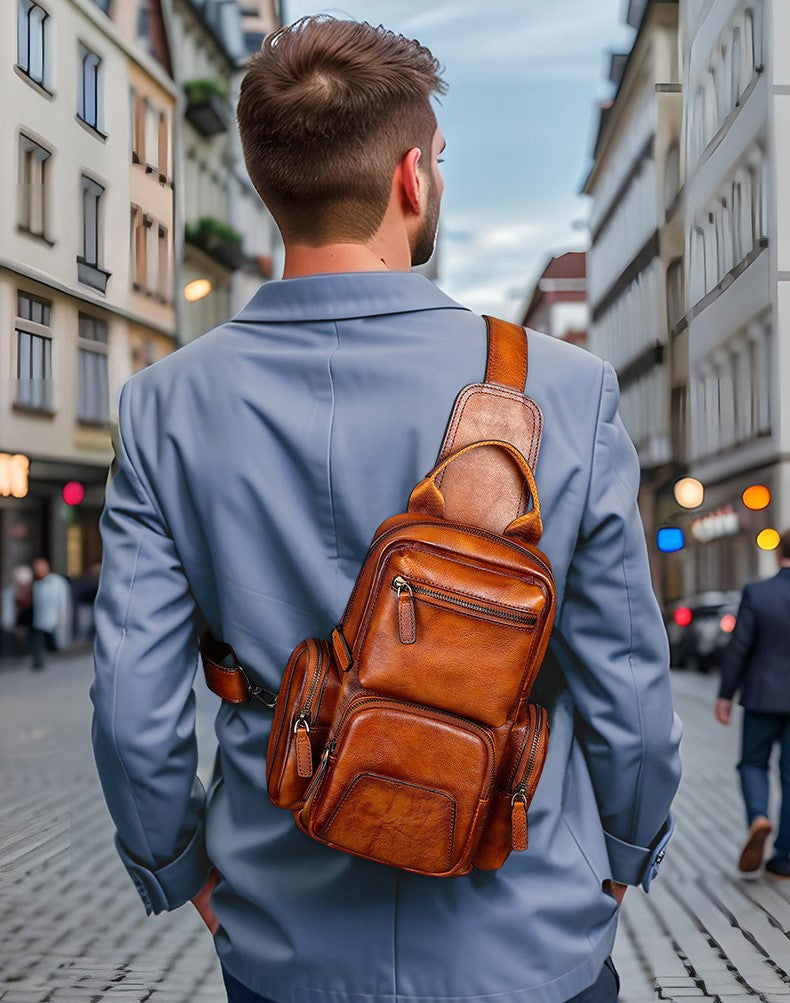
(603, 990)
(37, 642)
(760, 733)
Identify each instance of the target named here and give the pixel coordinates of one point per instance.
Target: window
(93, 403)
(91, 200)
(151, 139)
(32, 202)
(163, 147)
(138, 128)
(676, 306)
(34, 352)
(710, 110)
(163, 284)
(711, 254)
(138, 255)
(736, 85)
(697, 264)
(724, 241)
(89, 95)
(89, 270)
(31, 35)
(672, 176)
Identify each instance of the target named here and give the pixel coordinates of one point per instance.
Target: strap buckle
(260, 693)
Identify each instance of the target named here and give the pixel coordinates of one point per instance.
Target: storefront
(35, 521)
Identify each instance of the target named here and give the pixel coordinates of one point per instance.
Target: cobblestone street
(73, 928)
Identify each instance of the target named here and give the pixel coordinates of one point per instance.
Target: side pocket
(507, 824)
(305, 705)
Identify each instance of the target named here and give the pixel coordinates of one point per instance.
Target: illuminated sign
(14, 473)
(721, 522)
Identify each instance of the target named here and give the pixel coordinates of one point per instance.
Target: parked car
(699, 627)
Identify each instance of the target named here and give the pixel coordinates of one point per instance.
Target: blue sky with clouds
(524, 76)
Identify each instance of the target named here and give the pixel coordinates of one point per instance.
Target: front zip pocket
(402, 784)
(451, 634)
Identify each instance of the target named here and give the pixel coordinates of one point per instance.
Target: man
(756, 661)
(254, 466)
(51, 603)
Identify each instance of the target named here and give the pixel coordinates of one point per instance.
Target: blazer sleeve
(145, 660)
(735, 657)
(612, 644)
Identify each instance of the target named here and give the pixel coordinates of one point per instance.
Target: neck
(379, 256)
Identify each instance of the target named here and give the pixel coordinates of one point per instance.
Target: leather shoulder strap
(507, 353)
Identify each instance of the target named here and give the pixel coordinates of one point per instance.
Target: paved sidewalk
(73, 928)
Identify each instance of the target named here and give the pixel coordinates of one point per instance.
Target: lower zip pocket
(404, 785)
(305, 706)
(507, 827)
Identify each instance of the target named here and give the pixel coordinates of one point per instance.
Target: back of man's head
(326, 110)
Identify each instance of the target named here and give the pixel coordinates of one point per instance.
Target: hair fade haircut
(326, 110)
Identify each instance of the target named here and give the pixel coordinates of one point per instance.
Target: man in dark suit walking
(757, 662)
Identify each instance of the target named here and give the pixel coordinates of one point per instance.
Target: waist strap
(230, 681)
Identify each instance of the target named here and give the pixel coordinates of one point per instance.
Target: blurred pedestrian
(16, 610)
(757, 662)
(50, 610)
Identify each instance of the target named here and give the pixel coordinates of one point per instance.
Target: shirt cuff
(638, 865)
(173, 884)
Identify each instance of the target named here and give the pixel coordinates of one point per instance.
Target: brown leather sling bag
(407, 737)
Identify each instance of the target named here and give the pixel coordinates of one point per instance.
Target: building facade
(737, 167)
(558, 302)
(85, 296)
(229, 236)
(635, 261)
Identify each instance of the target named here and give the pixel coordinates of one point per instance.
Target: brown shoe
(752, 854)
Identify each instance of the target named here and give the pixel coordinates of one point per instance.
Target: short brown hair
(326, 110)
(784, 544)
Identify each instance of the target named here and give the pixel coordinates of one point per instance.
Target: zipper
(468, 725)
(405, 609)
(519, 801)
(474, 530)
(321, 769)
(304, 749)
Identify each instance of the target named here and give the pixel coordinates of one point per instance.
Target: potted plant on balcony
(218, 239)
(208, 108)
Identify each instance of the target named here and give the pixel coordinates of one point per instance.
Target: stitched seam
(640, 771)
(113, 732)
(329, 456)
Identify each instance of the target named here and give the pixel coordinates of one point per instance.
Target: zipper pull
(304, 750)
(518, 819)
(407, 622)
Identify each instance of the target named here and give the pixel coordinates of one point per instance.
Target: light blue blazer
(252, 468)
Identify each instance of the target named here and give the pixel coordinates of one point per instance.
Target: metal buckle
(260, 693)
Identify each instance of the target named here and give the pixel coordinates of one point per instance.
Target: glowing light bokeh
(669, 539)
(73, 493)
(756, 496)
(767, 539)
(689, 492)
(197, 289)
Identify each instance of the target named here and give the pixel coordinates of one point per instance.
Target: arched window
(710, 110)
(711, 253)
(757, 171)
(736, 83)
(743, 216)
(750, 55)
(697, 264)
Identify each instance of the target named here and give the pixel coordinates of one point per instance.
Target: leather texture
(391, 738)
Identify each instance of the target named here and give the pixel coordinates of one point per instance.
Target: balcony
(208, 108)
(217, 239)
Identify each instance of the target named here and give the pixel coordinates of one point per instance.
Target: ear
(411, 179)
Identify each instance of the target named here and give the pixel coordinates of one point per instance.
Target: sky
(524, 79)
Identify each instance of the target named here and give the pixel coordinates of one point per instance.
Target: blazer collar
(341, 295)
